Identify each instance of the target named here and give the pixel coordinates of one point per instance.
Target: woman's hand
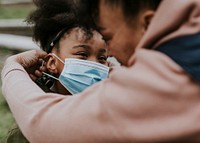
(30, 60)
(38, 73)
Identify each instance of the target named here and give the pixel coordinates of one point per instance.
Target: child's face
(75, 45)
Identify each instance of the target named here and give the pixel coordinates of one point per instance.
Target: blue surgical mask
(78, 74)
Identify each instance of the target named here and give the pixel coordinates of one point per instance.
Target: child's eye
(82, 54)
(102, 59)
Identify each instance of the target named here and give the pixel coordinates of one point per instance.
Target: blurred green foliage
(15, 11)
(6, 118)
(9, 12)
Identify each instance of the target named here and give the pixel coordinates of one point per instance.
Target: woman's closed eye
(107, 39)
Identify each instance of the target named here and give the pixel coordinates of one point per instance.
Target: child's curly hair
(52, 16)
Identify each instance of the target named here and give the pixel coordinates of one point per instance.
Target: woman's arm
(128, 108)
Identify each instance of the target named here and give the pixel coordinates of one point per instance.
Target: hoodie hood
(175, 31)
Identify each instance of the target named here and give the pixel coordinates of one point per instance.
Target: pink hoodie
(150, 101)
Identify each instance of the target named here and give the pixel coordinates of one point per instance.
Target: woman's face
(76, 45)
(121, 38)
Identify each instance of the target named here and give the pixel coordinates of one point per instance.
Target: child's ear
(51, 64)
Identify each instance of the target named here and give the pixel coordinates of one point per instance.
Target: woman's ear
(147, 17)
(51, 64)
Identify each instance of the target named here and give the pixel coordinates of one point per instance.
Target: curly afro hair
(52, 16)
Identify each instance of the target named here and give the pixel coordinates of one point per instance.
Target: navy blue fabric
(185, 51)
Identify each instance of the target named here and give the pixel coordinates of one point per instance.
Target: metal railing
(15, 26)
(15, 34)
(16, 42)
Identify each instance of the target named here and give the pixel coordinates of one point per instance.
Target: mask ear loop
(58, 58)
(50, 76)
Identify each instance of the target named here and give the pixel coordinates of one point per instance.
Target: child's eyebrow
(87, 47)
(82, 46)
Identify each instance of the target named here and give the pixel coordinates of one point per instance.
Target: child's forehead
(82, 35)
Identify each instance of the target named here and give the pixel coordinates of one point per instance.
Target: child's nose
(93, 59)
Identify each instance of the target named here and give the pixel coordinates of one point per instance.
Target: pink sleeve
(128, 107)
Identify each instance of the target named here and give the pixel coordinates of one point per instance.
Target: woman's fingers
(30, 59)
(33, 77)
(38, 73)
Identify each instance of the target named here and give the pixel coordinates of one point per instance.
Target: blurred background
(15, 37)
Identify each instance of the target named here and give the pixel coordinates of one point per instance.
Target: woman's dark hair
(54, 16)
(130, 8)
